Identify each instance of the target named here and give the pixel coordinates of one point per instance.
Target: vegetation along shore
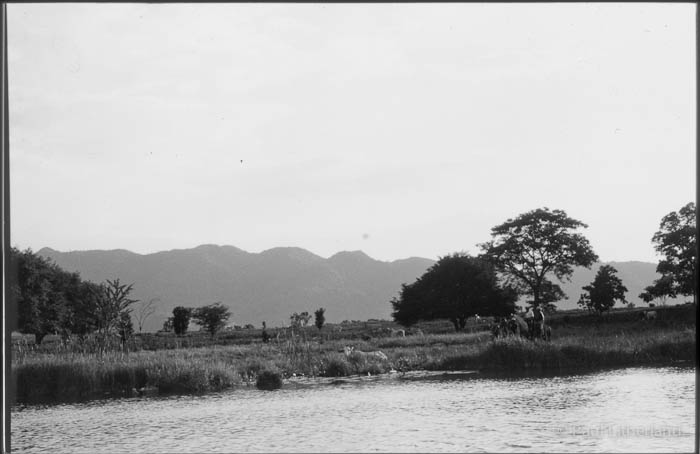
(579, 343)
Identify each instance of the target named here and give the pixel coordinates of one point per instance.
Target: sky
(397, 129)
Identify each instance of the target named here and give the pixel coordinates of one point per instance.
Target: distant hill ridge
(272, 284)
(269, 285)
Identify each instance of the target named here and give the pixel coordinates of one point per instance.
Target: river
(627, 410)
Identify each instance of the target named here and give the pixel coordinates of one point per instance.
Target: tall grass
(72, 376)
(613, 350)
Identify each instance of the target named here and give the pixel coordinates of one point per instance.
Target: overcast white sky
(397, 129)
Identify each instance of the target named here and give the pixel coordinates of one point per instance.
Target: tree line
(212, 318)
(50, 300)
(522, 256)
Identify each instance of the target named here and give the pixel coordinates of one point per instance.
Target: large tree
(676, 241)
(181, 319)
(455, 288)
(320, 318)
(80, 298)
(662, 289)
(603, 291)
(41, 309)
(536, 244)
(212, 317)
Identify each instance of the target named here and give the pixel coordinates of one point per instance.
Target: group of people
(535, 321)
(532, 326)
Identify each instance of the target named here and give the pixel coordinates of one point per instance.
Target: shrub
(337, 367)
(268, 380)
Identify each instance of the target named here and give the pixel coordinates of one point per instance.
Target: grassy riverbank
(577, 344)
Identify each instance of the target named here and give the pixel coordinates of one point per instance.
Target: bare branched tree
(144, 310)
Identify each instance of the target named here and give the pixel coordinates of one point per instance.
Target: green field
(196, 363)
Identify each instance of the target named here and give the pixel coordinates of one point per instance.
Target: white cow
(349, 351)
(649, 315)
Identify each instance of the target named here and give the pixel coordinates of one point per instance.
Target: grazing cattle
(648, 315)
(350, 351)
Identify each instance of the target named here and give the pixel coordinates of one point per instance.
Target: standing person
(265, 336)
(539, 322)
(529, 318)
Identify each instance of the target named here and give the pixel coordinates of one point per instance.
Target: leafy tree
(535, 244)
(455, 288)
(82, 301)
(549, 308)
(584, 302)
(320, 318)
(212, 317)
(604, 290)
(144, 310)
(550, 293)
(181, 319)
(62, 298)
(112, 300)
(39, 311)
(662, 289)
(415, 303)
(676, 241)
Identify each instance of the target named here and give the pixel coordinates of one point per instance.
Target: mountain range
(273, 284)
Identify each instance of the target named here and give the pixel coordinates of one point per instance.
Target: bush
(268, 380)
(337, 367)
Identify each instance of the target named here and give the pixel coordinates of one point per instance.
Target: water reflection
(575, 413)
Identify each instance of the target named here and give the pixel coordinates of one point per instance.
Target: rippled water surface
(631, 410)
